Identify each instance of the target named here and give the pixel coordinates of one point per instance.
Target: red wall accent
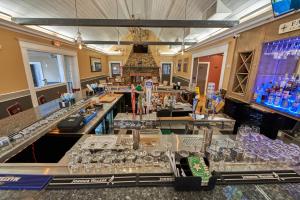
(215, 67)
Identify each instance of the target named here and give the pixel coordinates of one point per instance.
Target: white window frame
(171, 74)
(25, 46)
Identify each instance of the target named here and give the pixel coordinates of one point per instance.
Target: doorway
(115, 69)
(201, 78)
(215, 69)
(217, 57)
(166, 70)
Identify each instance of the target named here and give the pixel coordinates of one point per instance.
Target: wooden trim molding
(14, 95)
(180, 77)
(50, 87)
(93, 78)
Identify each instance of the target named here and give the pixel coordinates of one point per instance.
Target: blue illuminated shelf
(279, 110)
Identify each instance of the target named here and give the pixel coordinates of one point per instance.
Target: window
(185, 64)
(179, 65)
(46, 68)
(166, 68)
(115, 69)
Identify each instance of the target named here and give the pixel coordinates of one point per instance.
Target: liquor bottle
(285, 100)
(284, 81)
(295, 107)
(255, 95)
(271, 98)
(259, 94)
(278, 98)
(264, 95)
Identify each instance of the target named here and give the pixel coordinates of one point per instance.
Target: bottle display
(282, 94)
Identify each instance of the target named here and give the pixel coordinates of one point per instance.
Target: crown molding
(245, 26)
(35, 33)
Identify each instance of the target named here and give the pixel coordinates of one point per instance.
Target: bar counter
(9, 126)
(220, 192)
(179, 142)
(249, 192)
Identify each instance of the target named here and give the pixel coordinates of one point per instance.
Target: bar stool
(42, 99)
(14, 109)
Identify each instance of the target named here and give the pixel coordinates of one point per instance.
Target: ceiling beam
(127, 22)
(132, 42)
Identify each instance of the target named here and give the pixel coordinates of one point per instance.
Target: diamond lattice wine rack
(244, 65)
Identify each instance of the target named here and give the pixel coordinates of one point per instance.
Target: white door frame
(171, 73)
(212, 51)
(109, 67)
(25, 46)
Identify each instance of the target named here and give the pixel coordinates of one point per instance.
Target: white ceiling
(142, 9)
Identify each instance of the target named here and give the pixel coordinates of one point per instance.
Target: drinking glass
(73, 167)
(130, 157)
(148, 160)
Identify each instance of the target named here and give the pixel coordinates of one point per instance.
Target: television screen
(281, 7)
(140, 48)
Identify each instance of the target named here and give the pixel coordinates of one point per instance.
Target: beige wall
(182, 57)
(84, 64)
(12, 72)
(121, 58)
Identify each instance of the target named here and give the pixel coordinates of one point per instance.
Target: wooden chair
(14, 109)
(42, 99)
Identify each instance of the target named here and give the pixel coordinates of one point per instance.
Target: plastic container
(190, 182)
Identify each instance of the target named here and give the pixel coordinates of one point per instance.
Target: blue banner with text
(23, 182)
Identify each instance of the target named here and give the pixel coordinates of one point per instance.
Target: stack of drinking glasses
(259, 148)
(117, 160)
(254, 150)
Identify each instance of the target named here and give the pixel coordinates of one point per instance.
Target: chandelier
(138, 35)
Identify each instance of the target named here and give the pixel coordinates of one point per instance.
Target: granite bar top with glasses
(23, 119)
(160, 89)
(269, 191)
(26, 127)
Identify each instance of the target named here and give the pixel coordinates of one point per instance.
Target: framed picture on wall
(96, 64)
(179, 65)
(185, 64)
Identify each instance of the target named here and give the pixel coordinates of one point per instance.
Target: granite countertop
(23, 119)
(234, 192)
(129, 117)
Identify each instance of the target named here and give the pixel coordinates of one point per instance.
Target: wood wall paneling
(252, 40)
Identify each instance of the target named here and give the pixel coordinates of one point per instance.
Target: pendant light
(182, 47)
(118, 27)
(78, 36)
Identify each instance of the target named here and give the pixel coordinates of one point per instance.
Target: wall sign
(149, 86)
(23, 182)
(289, 26)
